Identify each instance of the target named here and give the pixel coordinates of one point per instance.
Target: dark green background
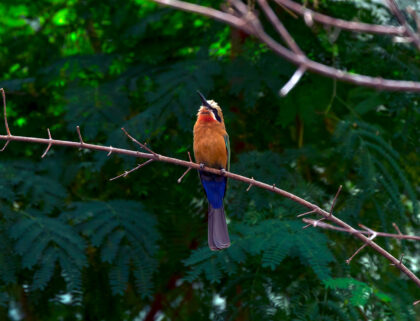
(75, 246)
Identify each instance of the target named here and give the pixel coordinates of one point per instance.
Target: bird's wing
(226, 137)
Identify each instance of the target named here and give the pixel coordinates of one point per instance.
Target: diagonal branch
(339, 23)
(408, 31)
(250, 24)
(251, 181)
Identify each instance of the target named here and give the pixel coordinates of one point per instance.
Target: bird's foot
(202, 165)
(223, 171)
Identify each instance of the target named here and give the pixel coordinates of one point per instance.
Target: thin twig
(49, 145)
(5, 119)
(371, 238)
(182, 176)
(314, 223)
(186, 172)
(397, 228)
(280, 28)
(306, 213)
(355, 253)
(250, 185)
(401, 258)
(80, 135)
(132, 170)
(138, 143)
(335, 199)
(5, 145)
(5, 112)
(367, 232)
(415, 17)
(292, 81)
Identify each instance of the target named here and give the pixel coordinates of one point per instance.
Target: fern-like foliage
(272, 241)
(126, 236)
(42, 242)
(378, 166)
(23, 181)
(8, 260)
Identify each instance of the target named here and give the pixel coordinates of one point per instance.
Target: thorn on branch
(308, 18)
(5, 120)
(132, 170)
(5, 112)
(138, 143)
(182, 176)
(250, 185)
(110, 151)
(313, 223)
(5, 145)
(80, 135)
(362, 247)
(49, 145)
(306, 213)
(292, 81)
(186, 172)
(335, 199)
(396, 228)
(400, 262)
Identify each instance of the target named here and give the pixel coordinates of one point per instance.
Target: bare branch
(251, 181)
(250, 24)
(281, 30)
(310, 16)
(49, 145)
(367, 232)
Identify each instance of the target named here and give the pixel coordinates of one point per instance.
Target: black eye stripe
(216, 115)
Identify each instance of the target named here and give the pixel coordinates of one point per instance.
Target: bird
(212, 149)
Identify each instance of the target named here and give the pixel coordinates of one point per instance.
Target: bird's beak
(204, 101)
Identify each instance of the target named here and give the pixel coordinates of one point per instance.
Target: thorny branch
(241, 17)
(152, 156)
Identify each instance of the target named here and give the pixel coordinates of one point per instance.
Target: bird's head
(209, 110)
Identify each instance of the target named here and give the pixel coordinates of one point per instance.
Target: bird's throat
(206, 118)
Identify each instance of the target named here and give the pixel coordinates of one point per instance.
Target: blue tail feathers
(215, 187)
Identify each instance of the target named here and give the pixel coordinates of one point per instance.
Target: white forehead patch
(202, 108)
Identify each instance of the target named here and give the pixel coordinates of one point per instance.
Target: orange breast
(209, 144)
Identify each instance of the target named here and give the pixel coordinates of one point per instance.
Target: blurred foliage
(75, 246)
